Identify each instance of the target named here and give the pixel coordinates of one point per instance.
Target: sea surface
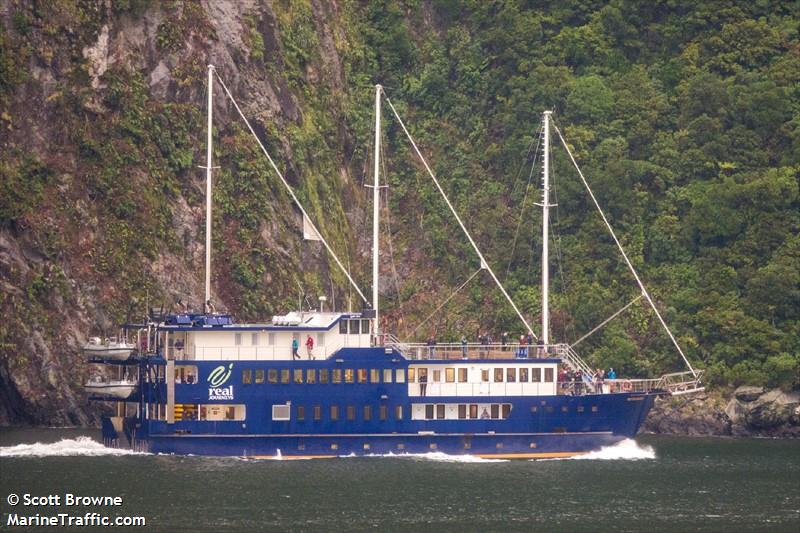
(650, 484)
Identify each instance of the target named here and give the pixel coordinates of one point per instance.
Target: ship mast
(376, 196)
(208, 187)
(545, 232)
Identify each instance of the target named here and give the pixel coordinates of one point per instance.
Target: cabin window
(349, 375)
(534, 408)
(334, 412)
(186, 374)
(433, 446)
(498, 375)
(523, 375)
(579, 409)
(260, 375)
(281, 412)
(367, 412)
(317, 412)
(298, 375)
(237, 339)
(271, 339)
(485, 375)
(411, 375)
(536, 375)
(450, 375)
(361, 375)
(506, 410)
(462, 375)
(284, 375)
(437, 376)
(400, 375)
(247, 376)
(548, 375)
(549, 409)
(462, 411)
(398, 412)
(564, 409)
(321, 339)
(354, 327)
(374, 375)
(440, 411)
(351, 412)
(301, 412)
(343, 327)
(216, 412)
(594, 408)
(311, 375)
(495, 410)
(337, 375)
(323, 375)
(272, 375)
(387, 375)
(401, 446)
(254, 339)
(365, 327)
(383, 412)
(428, 411)
(511, 375)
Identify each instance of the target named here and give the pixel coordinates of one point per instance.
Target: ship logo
(220, 375)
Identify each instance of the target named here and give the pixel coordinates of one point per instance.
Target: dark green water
(655, 484)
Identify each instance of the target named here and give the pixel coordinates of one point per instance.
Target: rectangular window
(367, 412)
(237, 339)
(387, 375)
(423, 375)
(349, 375)
(337, 375)
(284, 375)
(351, 412)
(400, 375)
(281, 412)
(511, 375)
(440, 411)
(495, 410)
(564, 409)
(536, 375)
(301, 412)
(298, 375)
(428, 411)
(462, 411)
(580, 409)
(247, 376)
(473, 410)
(343, 327)
(450, 375)
(354, 327)
(323, 375)
(317, 412)
(594, 408)
(437, 376)
(462, 375)
(534, 408)
(365, 326)
(498, 375)
(361, 374)
(523, 375)
(334, 412)
(271, 339)
(321, 339)
(383, 412)
(374, 375)
(211, 412)
(260, 375)
(272, 375)
(254, 339)
(398, 412)
(485, 375)
(311, 375)
(506, 410)
(548, 375)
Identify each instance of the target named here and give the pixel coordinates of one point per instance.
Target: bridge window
(365, 327)
(349, 375)
(440, 411)
(462, 411)
(334, 412)
(367, 412)
(260, 375)
(254, 339)
(450, 375)
(536, 375)
(317, 412)
(511, 375)
(387, 375)
(281, 412)
(498, 375)
(247, 376)
(301, 412)
(284, 375)
(343, 327)
(374, 375)
(523, 375)
(401, 376)
(362, 375)
(323, 375)
(428, 411)
(462, 375)
(351, 412)
(548, 375)
(298, 375)
(354, 327)
(337, 375)
(272, 375)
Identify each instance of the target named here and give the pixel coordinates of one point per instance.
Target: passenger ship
(206, 385)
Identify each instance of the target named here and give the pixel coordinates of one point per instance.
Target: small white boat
(112, 388)
(97, 348)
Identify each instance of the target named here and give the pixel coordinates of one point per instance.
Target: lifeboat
(97, 348)
(111, 388)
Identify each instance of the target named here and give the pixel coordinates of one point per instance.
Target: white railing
(454, 350)
(249, 353)
(436, 389)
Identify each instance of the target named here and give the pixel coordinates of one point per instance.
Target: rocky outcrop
(750, 411)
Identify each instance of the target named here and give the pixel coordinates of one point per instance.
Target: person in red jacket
(310, 346)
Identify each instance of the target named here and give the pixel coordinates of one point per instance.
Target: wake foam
(628, 450)
(436, 456)
(81, 446)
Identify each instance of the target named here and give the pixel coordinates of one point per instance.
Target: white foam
(436, 456)
(628, 450)
(81, 446)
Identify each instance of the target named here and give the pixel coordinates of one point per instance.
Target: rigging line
(445, 302)
(289, 189)
(525, 198)
(624, 255)
(458, 218)
(607, 320)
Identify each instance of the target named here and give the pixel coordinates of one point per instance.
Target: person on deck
(295, 347)
(504, 340)
(463, 346)
(310, 346)
(523, 346)
(431, 347)
(423, 381)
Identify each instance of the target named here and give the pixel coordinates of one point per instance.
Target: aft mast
(546, 232)
(376, 196)
(208, 189)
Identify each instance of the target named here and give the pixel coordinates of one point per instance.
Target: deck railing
(456, 350)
